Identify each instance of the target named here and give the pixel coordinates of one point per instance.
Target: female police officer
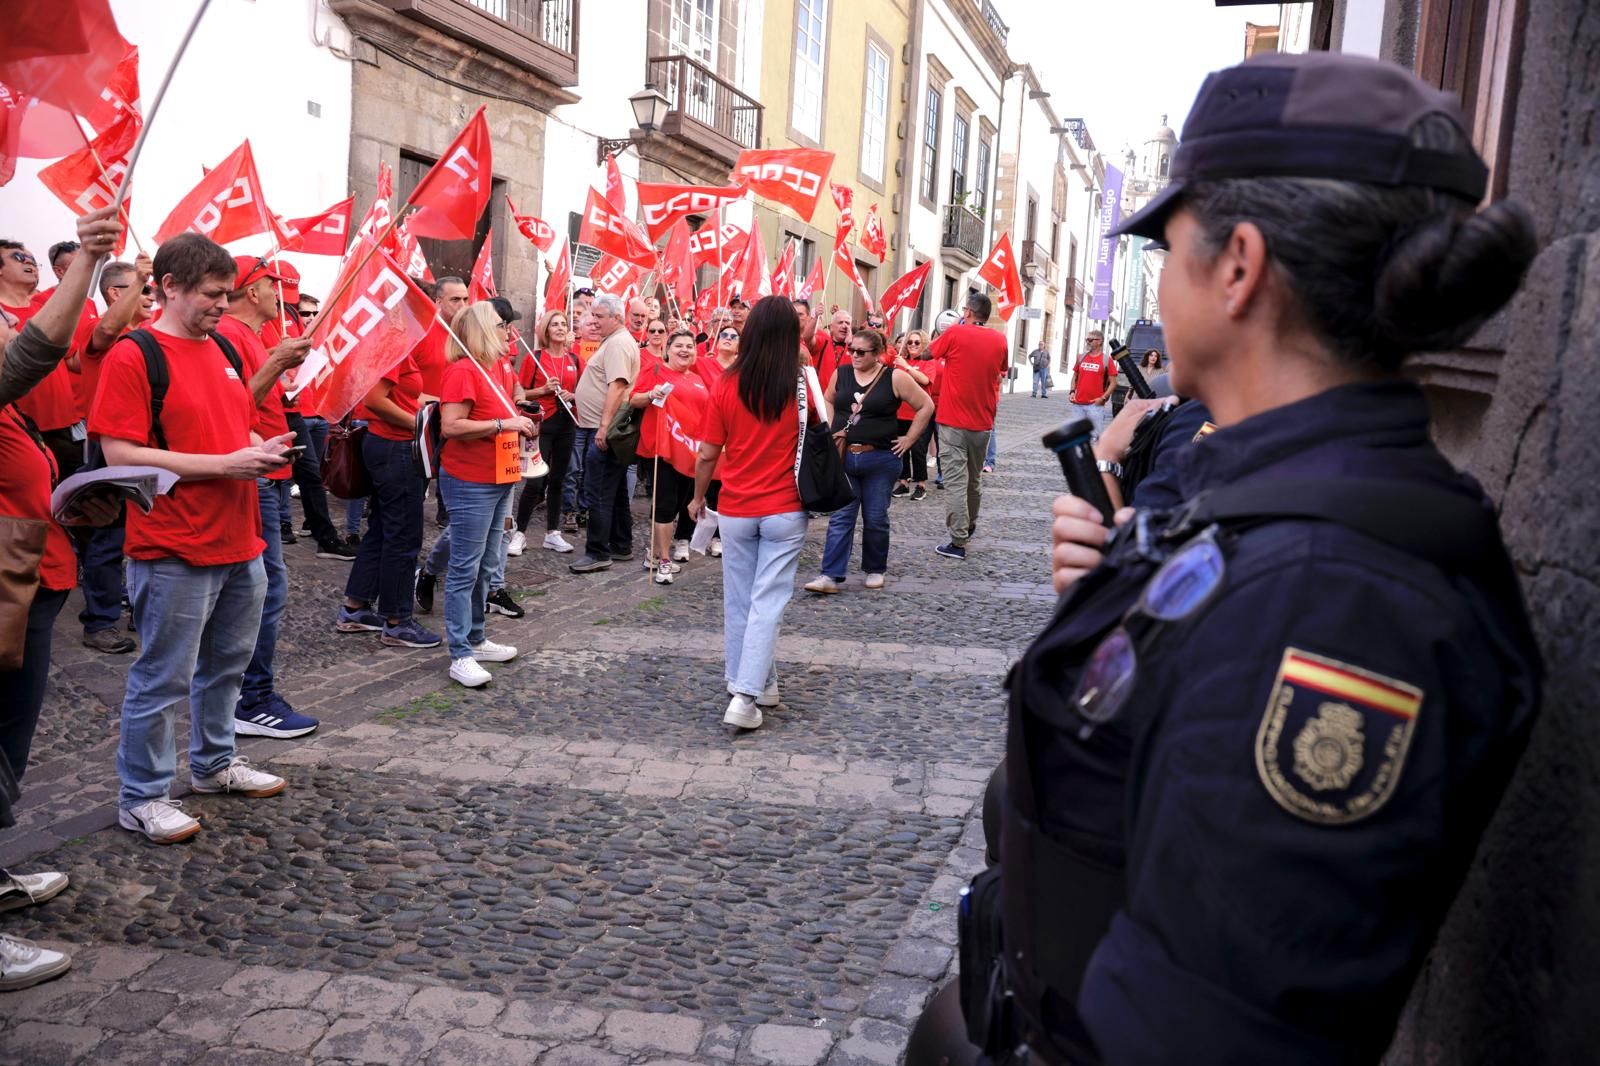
(1249, 760)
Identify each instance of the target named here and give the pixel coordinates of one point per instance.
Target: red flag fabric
(679, 429)
(13, 109)
(61, 55)
(450, 198)
(225, 206)
(481, 285)
(811, 288)
(121, 93)
(783, 272)
(873, 238)
(78, 180)
(616, 276)
(555, 288)
(663, 205)
(847, 265)
(537, 230)
(1000, 270)
(615, 233)
(374, 325)
(616, 192)
(750, 278)
(710, 245)
(843, 198)
(677, 266)
(791, 176)
(905, 291)
(325, 233)
(704, 304)
(407, 250)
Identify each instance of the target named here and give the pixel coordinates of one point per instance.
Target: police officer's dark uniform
(1250, 758)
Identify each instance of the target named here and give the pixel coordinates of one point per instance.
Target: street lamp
(649, 113)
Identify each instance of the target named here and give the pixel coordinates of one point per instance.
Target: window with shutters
(930, 146)
(958, 157)
(810, 64)
(980, 188)
(875, 113)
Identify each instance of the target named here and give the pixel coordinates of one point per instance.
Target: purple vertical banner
(1105, 257)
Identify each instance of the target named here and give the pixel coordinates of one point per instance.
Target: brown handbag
(344, 472)
(21, 550)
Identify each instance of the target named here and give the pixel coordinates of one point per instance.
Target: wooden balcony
(540, 36)
(963, 233)
(1034, 263)
(707, 112)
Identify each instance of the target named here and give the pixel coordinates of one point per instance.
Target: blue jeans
(989, 456)
(258, 675)
(1098, 414)
(610, 530)
(197, 627)
(101, 555)
(759, 557)
(872, 476)
(573, 495)
(22, 690)
(382, 572)
(1041, 382)
(477, 520)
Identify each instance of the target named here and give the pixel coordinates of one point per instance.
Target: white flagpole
(155, 103)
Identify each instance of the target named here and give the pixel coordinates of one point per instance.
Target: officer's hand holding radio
(1077, 539)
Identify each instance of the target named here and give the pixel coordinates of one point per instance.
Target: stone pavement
(575, 864)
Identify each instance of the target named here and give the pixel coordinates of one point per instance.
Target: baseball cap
(291, 280)
(1317, 115)
(248, 269)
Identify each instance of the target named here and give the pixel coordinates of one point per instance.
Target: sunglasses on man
(24, 258)
(149, 290)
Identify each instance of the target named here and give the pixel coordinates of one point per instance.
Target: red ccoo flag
(225, 206)
(121, 93)
(905, 291)
(555, 288)
(616, 276)
(811, 288)
(605, 229)
(750, 278)
(791, 176)
(480, 286)
(663, 205)
(847, 265)
(450, 198)
(325, 233)
(378, 319)
(78, 180)
(60, 56)
(1000, 270)
(710, 244)
(677, 267)
(616, 192)
(843, 198)
(783, 273)
(872, 235)
(537, 230)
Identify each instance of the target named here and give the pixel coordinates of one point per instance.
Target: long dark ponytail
(768, 366)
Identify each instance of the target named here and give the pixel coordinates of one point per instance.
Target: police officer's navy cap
(1318, 115)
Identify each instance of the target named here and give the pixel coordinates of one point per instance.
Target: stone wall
(1515, 977)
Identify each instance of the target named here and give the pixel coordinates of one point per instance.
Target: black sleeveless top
(878, 423)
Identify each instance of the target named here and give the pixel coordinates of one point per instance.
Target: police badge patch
(1334, 738)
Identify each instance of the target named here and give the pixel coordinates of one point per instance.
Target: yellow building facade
(833, 75)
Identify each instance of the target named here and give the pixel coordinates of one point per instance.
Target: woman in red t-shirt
(550, 375)
(913, 358)
(750, 438)
(673, 398)
(483, 432)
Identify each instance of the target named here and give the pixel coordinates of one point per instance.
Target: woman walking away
(913, 358)
(866, 397)
(674, 484)
(481, 426)
(549, 376)
(749, 439)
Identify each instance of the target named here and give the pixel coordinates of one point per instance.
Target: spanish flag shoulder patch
(1334, 738)
(1204, 431)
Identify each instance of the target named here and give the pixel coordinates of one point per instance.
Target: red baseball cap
(291, 280)
(248, 269)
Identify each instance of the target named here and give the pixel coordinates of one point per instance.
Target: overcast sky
(1121, 64)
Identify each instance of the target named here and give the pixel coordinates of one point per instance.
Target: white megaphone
(533, 464)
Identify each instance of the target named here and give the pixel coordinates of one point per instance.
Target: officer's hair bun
(1444, 277)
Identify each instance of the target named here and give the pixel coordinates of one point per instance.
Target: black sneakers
(425, 584)
(951, 551)
(500, 602)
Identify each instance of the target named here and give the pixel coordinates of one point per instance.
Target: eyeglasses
(24, 258)
(1180, 587)
(656, 332)
(862, 351)
(727, 333)
(148, 289)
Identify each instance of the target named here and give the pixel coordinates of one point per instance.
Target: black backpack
(160, 377)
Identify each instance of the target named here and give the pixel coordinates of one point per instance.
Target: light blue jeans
(1098, 414)
(759, 557)
(197, 629)
(258, 675)
(477, 521)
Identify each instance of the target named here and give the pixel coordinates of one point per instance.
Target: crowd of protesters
(191, 368)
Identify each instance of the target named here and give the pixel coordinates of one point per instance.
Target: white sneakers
(680, 551)
(517, 544)
(239, 777)
(716, 547)
(24, 964)
(663, 574)
(466, 671)
(160, 820)
(742, 712)
(768, 697)
(823, 585)
(490, 652)
(20, 890)
(874, 581)
(554, 541)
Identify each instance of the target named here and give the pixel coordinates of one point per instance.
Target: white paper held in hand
(139, 485)
(704, 530)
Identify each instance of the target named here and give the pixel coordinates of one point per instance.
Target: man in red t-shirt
(51, 404)
(449, 296)
(974, 360)
(195, 574)
(833, 350)
(262, 712)
(1093, 378)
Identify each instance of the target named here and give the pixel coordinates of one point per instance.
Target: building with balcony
(1030, 204)
(422, 67)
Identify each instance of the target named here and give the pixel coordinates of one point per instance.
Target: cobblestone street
(575, 864)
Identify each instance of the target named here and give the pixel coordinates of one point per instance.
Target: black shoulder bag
(818, 470)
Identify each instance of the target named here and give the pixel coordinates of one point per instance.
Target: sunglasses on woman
(728, 334)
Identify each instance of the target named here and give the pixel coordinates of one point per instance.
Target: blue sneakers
(272, 717)
(409, 634)
(361, 620)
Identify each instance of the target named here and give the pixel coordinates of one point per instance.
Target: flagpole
(720, 301)
(155, 104)
(122, 210)
(557, 394)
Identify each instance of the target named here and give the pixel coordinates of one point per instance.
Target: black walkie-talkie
(1073, 444)
(1130, 370)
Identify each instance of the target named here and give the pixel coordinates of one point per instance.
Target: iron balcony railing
(694, 91)
(963, 231)
(551, 21)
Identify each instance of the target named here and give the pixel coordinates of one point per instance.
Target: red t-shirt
(405, 382)
(431, 355)
(87, 375)
(757, 464)
(710, 371)
(271, 334)
(930, 367)
(828, 359)
(27, 474)
(974, 358)
(689, 396)
(562, 369)
(51, 404)
(270, 421)
(473, 460)
(1093, 373)
(208, 411)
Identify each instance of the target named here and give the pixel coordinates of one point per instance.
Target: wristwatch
(1107, 466)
